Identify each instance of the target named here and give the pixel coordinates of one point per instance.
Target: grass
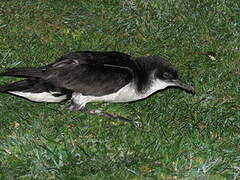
(182, 137)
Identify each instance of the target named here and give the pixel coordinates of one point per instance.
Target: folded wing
(89, 73)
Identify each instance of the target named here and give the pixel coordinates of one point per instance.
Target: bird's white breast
(127, 93)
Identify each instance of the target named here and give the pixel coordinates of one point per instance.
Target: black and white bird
(88, 76)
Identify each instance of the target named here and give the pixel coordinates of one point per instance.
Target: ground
(182, 136)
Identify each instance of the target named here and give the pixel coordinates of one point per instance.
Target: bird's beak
(184, 86)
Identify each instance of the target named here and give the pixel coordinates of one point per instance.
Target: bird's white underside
(126, 94)
(40, 97)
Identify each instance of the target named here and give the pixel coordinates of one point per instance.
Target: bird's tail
(24, 72)
(36, 90)
(17, 86)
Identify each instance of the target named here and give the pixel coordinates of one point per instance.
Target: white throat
(157, 85)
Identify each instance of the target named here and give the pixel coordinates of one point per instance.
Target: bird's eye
(167, 75)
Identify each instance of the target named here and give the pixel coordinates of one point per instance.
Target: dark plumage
(94, 76)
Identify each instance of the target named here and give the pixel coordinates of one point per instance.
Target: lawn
(183, 136)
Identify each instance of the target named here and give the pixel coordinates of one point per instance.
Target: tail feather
(16, 86)
(23, 72)
(36, 90)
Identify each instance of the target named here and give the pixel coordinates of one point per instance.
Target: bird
(82, 77)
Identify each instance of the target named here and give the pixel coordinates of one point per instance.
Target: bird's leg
(72, 106)
(114, 116)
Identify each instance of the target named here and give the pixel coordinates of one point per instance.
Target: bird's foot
(115, 117)
(75, 107)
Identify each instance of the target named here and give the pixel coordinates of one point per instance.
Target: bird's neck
(157, 85)
(153, 86)
(144, 76)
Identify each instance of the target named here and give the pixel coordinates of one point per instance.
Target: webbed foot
(115, 117)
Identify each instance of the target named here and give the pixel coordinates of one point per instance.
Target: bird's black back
(89, 73)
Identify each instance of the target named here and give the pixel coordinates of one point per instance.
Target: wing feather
(92, 73)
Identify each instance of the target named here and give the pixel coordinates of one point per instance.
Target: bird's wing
(99, 58)
(91, 73)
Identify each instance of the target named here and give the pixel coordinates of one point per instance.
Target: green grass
(182, 137)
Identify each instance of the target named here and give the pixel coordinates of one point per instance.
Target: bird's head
(166, 73)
